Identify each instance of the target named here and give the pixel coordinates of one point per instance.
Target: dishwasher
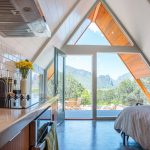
(39, 128)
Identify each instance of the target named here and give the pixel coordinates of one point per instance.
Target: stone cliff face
(103, 81)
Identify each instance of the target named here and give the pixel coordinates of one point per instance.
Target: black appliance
(3, 92)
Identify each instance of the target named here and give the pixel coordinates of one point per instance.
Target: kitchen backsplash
(8, 57)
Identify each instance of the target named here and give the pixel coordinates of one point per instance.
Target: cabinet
(20, 142)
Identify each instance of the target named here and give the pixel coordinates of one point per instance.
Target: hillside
(103, 81)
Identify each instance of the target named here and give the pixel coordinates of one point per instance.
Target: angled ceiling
(134, 15)
(65, 29)
(62, 18)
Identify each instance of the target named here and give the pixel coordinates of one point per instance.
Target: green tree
(73, 88)
(124, 90)
(85, 98)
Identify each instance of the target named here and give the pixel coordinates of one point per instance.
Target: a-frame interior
(117, 37)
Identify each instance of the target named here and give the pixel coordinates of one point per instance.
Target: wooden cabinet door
(20, 142)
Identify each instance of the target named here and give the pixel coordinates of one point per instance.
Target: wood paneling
(20, 142)
(92, 13)
(109, 27)
(50, 72)
(136, 65)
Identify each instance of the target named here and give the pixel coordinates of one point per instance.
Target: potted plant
(24, 66)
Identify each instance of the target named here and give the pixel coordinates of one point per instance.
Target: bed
(134, 122)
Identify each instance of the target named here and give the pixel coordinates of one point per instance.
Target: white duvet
(135, 122)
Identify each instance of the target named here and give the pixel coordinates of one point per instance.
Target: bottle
(16, 90)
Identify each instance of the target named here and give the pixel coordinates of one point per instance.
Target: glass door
(112, 79)
(78, 89)
(116, 87)
(59, 62)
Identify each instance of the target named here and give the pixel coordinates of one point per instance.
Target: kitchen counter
(12, 121)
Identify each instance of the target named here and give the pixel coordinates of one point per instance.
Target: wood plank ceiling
(134, 62)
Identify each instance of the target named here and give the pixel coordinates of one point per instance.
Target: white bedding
(135, 122)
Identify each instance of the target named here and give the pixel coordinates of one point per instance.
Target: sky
(107, 63)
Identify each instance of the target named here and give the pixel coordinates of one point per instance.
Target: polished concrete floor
(86, 114)
(91, 135)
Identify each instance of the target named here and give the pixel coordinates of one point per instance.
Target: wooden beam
(96, 12)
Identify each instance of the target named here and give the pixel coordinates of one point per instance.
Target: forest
(126, 93)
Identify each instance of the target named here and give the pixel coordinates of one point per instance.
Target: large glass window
(78, 87)
(116, 88)
(146, 83)
(50, 81)
(92, 36)
(36, 80)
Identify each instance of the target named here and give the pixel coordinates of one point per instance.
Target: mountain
(123, 77)
(103, 81)
(82, 76)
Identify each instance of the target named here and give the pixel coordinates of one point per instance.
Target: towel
(51, 139)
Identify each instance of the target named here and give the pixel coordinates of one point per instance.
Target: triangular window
(91, 36)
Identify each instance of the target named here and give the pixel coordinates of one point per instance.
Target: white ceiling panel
(67, 27)
(62, 16)
(25, 46)
(134, 15)
(55, 11)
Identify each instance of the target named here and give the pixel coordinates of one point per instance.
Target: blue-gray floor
(85, 114)
(91, 135)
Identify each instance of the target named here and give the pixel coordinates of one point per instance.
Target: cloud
(93, 27)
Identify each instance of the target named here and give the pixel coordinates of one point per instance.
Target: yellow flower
(24, 64)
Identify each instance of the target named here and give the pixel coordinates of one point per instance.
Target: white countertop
(12, 121)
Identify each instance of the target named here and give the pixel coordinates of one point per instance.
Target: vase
(23, 103)
(23, 86)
